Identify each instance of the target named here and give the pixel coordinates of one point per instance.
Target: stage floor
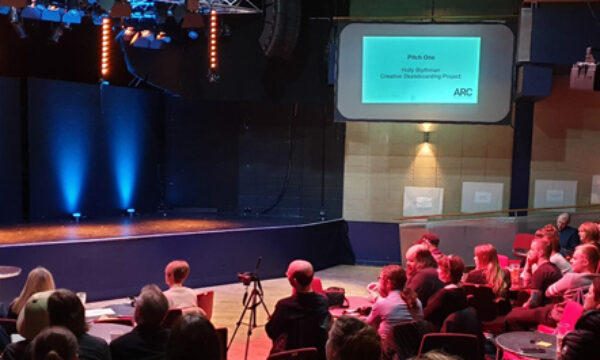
(124, 227)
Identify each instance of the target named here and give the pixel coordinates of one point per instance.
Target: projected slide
(460, 73)
(420, 70)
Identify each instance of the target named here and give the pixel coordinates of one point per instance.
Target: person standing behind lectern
(303, 319)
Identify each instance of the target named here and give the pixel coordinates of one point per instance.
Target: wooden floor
(228, 304)
(122, 227)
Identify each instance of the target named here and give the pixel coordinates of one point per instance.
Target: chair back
(316, 285)
(463, 345)
(296, 354)
(172, 315)
(123, 320)
(482, 298)
(205, 302)
(407, 337)
(465, 321)
(9, 325)
(222, 337)
(571, 314)
(521, 244)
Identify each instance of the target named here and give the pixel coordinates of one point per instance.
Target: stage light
(51, 13)
(212, 47)
(73, 16)
(192, 35)
(4, 10)
(31, 12)
(76, 216)
(105, 47)
(130, 212)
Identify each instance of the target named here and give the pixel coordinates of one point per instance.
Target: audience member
(584, 262)
(432, 241)
(353, 339)
(55, 343)
(395, 305)
(591, 300)
(556, 257)
(545, 274)
(32, 320)
(488, 271)
(421, 269)
(583, 342)
(65, 309)
(178, 295)
(567, 235)
(588, 233)
(303, 319)
(452, 297)
(38, 280)
(148, 340)
(193, 337)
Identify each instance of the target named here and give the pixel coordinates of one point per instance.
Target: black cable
(289, 168)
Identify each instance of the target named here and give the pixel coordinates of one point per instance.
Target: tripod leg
(262, 302)
(239, 323)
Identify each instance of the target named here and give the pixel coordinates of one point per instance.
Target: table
(7, 272)
(104, 330)
(355, 302)
(526, 343)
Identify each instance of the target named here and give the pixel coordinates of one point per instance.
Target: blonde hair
(487, 257)
(38, 280)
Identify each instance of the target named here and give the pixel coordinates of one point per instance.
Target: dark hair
(596, 283)
(180, 270)
(590, 321)
(430, 238)
(424, 259)
(453, 265)
(397, 277)
(193, 337)
(151, 306)
(353, 339)
(54, 343)
(65, 309)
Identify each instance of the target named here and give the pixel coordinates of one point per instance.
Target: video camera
(247, 277)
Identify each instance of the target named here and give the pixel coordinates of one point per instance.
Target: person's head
(590, 321)
(585, 259)
(55, 343)
(176, 272)
(485, 254)
(419, 257)
(588, 232)
(38, 280)
(430, 240)
(151, 306)
(65, 309)
(300, 274)
(391, 277)
(450, 269)
(540, 249)
(562, 221)
(352, 339)
(547, 230)
(193, 337)
(34, 316)
(592, 298)
(580, 344)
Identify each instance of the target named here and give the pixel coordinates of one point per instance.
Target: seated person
(588, 233)
(582, 343)
(421, 269)
(545, 274)
(352, 339)
(488, 271)
(178, 295)
(65, 309)
(591, 301)
(396, 304)
(567, 235)
(432, 241)
(54, 343)
(193, 337)
(38, 280)
(556, 257)
(303, 319)
(584, 262)
(452, 297)
(148, 340)
(33, 318)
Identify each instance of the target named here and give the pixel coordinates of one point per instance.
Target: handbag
(337, 297)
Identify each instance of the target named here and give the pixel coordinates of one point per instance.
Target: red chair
(222, 337)
(571, 314)
(316, 285)
(297, 354)
(205, 302)
(464, 345)
(503, 261)
(521, 244)
(123, 320)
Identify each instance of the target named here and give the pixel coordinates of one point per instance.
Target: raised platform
(116, 258)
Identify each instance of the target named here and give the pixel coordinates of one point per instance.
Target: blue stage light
(51, 14)
(76, 216)
(4, 10)
(193, 34)
(130, 211)
(73, 16)
(33, 13)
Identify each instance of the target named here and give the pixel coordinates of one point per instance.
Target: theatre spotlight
(193, 34)
(4, 10)
(51, 13)
(76, 216)
(73, 16)
(31, 12)
(130, 212)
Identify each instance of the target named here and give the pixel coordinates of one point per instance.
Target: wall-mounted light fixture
(426, 128)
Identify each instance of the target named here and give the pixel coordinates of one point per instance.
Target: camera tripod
(251, 303)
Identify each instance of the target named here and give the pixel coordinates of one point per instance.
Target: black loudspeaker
(281, 27)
